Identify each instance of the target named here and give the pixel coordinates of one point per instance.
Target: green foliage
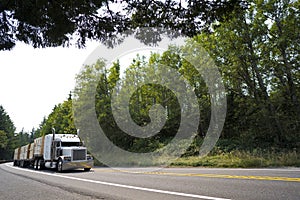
(7, 137)
(9, 140)
(61, 119)
(257, 52)
(262, 89)
(259, 61)
(3, 140)
(52, 23)
(6, 123)
(23, 138)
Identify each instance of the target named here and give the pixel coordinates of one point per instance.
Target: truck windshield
(70, 144)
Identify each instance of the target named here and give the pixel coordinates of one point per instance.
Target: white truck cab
(57, 151)
(66, 151)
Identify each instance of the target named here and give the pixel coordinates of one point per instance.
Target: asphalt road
(150, 183)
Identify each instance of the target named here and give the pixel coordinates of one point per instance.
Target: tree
(23, 138)
(282, 57)
(7, 137)
(256, 52)
(257, 56)
(61, 23)
(84, 103)
(61, 118)
(3, 140)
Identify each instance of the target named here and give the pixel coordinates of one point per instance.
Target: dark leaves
(59, 23)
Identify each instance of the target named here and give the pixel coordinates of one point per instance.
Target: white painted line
(121, 185)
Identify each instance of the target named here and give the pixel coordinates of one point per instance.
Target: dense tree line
(257, 53)
(9, 139)
(61, 118)
(255, 49)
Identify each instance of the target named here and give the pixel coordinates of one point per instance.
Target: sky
(33, 81)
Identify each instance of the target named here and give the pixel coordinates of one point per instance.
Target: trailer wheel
(60, 165)
(35, 164)
(22, 163)
(40, 164)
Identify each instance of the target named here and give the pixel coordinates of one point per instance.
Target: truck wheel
(60, 165)
(40, 164)
(87, 169)
(35, 165)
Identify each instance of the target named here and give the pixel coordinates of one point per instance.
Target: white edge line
(121, 185)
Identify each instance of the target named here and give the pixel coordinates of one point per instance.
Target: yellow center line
(265, 178)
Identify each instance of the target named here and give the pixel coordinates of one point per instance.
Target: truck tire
(60, 165)
(35, 164)
(40, 164)
(87, 169)
(22, 163)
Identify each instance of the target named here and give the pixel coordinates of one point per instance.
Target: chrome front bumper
(68, 165)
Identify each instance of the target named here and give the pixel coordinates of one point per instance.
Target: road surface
(150, 183)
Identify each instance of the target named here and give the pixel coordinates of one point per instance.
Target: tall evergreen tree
(7, 135)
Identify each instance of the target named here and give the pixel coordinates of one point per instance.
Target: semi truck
(54, 151)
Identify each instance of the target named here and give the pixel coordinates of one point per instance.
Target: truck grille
(79, 154)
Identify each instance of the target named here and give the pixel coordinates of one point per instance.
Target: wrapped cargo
(39, 146)
(17, 154)
(24, 152)
(31, 151)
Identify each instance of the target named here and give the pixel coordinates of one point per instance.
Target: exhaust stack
(53, 133)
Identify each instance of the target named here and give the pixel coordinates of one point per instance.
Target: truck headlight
(67, 158)
(89, 157)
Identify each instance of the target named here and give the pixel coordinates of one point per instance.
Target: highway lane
(19, 188)
(151, 183)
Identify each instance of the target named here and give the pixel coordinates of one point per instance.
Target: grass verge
(242, 159)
